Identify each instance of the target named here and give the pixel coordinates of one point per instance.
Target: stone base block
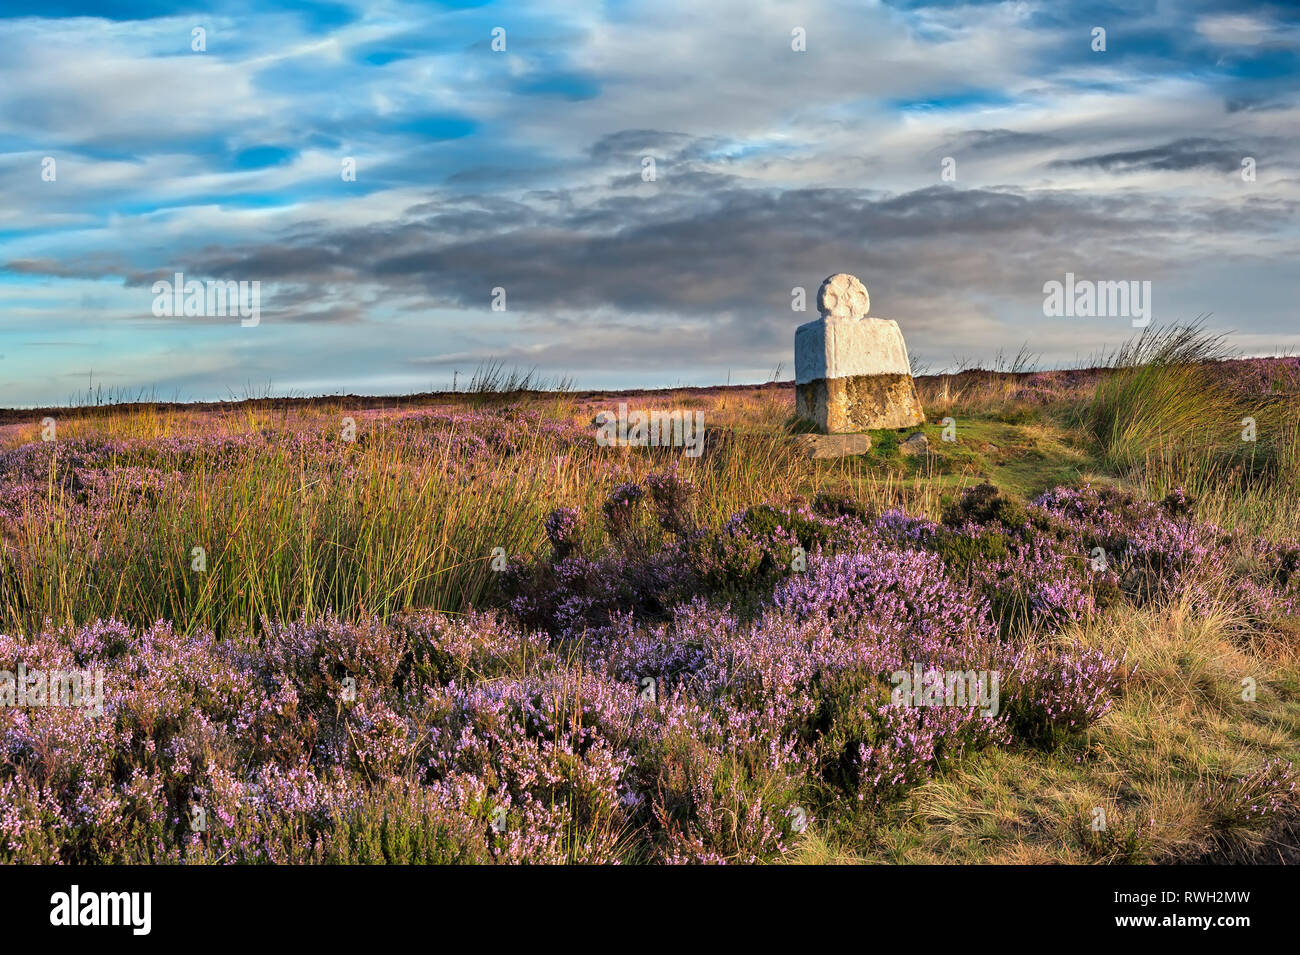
(860, 403)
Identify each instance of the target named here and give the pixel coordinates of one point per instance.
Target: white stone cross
(851, 371)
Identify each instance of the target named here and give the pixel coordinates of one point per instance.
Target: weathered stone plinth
(859, 403)
(852, 372)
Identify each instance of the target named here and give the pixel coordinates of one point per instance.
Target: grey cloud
(89, 267)
(1182, 154)
(1001, 140)
(635, 143)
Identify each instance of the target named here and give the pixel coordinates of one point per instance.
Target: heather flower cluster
(673, 498)
(1243, 801)
(562, 531)
(621, 507)
(1158, 550)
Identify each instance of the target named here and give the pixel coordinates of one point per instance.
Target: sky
(626, 194)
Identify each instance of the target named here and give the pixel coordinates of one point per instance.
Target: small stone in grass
(916, 444)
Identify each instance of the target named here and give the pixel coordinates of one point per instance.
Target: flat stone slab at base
(860, 402)
(818, 446)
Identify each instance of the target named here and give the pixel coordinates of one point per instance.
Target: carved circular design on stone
(843, 296)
